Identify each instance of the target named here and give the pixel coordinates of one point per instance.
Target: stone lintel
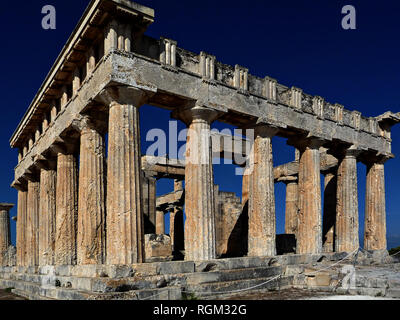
(170, 200)
(126, 95)
(268, 122)
(288, 179)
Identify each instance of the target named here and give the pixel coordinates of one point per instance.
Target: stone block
(157, 246)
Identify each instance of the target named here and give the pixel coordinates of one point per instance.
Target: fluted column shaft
(262, 220)
(149, 204)
(91, 205)
(5, 235)
(309, 236)
(32, 236)
(346, 235)
(125, 226)
(67, 210)
(47, 216)
(375, 208)
(176, 230)
(21, 227)
(200, 236)
(329, 216)
(292, 207)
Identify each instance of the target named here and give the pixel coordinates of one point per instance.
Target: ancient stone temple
(85, 214)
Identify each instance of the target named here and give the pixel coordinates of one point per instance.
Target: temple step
(227, 289)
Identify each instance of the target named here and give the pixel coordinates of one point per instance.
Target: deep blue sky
(300, 43)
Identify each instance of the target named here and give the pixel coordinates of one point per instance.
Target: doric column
(21, 224)
(309, 235)
(149, 203)
(292, 204)
(67, 209)
(125, 225)
(160, 222)
(329, 215)
(91, 194)
(176, 227)
(47, 216)
(200, 238)
(5, 232)
(346, 235)
(375, 208)
(262, 220)
(32, 228)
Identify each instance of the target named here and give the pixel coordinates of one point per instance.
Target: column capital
(32, 174)
(84, 123)
(45, 163)
(345, 151)
(265, 126)
(6, 206)
(370, 159)
(308, 142)
(126, 95)
(265, 131)
(199, 112)
(20, 185)
(64, 145)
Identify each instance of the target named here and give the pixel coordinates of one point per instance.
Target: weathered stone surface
(21, 227)
(125, 225)
(91, 238)
(346, 229)
(262, 221)
(158, 247)
(292, 205)
(309, 238)
(47, 216)
(5, 233)
(67, 209)
(32, 229)
(375, 208)
(200, 241)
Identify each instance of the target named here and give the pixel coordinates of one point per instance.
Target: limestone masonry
(80, 210)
